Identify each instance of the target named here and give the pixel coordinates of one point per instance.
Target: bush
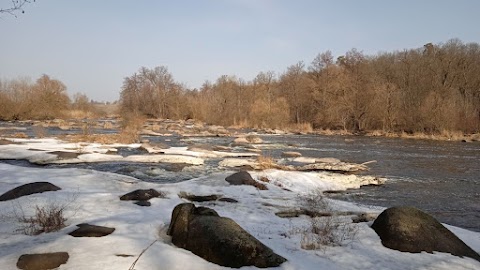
(47, 218)
(327, 229)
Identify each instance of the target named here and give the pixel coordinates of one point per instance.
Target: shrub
(47, 218)
(324, 230)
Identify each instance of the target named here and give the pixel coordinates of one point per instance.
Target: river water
(439, 177)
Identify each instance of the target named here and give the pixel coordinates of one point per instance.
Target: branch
(17, 5)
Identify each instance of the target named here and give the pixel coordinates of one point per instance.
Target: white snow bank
(39, 151)
(308, 181)
(93, 197)
(199, 152)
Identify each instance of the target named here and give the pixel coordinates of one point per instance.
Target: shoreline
(151, 127)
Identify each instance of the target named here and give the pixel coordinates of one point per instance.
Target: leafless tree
(15, 7)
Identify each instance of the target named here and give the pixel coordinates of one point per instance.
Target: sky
(91, 45)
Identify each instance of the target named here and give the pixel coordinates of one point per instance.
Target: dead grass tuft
(48, 218)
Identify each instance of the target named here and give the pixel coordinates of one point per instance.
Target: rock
(340, 167)
(143, 203)
(28, 189)
(411, 230)
(244, 178)
(222, 148)
(254, 139)
(42, 261)
(218, 239)
(142, 195)
(290, 154)
(65, 155)
(240, 141)
(198, 198)
(230, 200)
(6, 142)
(364, 217)
(179, 222)
(204, 198)
(87, 230)
(200, 147)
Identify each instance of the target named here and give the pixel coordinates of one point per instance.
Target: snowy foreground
(93, 197)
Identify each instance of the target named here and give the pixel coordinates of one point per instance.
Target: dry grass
(266, 162)
(241, 124)
(81, 114)
(301, 128)
(327, 230)
(48, 218)
(99, 138)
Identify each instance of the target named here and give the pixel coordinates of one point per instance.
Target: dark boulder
(244, 178)
(142, 195)
(42, 261)
(229, 200)
(28, 189)
(218, 239)
(411, 230)
(87, 230)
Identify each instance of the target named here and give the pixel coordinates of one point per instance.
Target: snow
(93, 197)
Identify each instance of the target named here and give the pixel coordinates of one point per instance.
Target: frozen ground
(93, 197)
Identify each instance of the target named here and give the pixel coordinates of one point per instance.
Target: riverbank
(94, 130)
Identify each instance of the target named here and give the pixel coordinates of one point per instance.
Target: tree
(294, 87)
(17, 6)
(50, 96)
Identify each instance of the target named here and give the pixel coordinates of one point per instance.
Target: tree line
(430, 89)
(45, 99)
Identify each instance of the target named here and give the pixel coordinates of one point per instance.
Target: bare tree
(16, 6)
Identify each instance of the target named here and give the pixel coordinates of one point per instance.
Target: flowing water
(441, 178)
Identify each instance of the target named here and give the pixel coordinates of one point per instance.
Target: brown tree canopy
(430, 89)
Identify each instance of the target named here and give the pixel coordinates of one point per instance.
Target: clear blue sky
(91, 45)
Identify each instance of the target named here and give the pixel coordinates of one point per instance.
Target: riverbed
(439, 177)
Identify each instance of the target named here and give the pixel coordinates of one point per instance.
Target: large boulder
(218, 239)
(43, 261)
(411, 230)
(28, 189)
(142, 195)
(244, 178)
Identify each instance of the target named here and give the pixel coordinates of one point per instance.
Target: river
(439, 177)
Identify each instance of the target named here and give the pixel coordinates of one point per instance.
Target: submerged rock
(290, 154)
(411, 230)
(28, 189)
(43, 261)
(205, 198)
(143, 203)
(218, 239)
